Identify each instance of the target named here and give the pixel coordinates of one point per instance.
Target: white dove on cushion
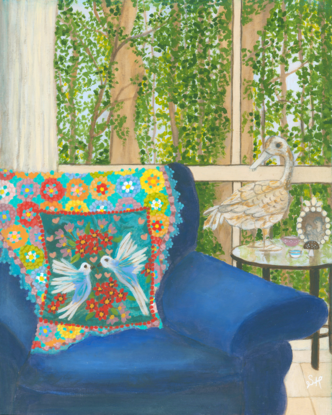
(261, 204)
(73, 279)
(125, 266)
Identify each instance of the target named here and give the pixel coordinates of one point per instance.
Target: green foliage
(206, 241)
(85, 63)
(180, 113)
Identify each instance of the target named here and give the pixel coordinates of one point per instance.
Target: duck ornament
(261, 204)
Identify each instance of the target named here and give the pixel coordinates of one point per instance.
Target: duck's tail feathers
(214, 219)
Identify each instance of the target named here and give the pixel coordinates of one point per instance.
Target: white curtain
(28, 136)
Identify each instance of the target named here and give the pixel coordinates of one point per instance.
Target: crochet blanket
(23, 198)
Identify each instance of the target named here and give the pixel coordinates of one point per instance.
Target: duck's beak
(261, 159)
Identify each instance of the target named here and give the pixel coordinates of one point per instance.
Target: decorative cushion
(30, 202)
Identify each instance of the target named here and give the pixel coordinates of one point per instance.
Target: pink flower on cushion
(59, 234)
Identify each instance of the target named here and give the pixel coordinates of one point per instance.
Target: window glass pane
(147, 83)
(286, 91)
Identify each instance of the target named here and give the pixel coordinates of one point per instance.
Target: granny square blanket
(90, 249)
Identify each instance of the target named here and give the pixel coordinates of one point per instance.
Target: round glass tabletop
(321, 258)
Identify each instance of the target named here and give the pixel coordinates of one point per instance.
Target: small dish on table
(290, 240)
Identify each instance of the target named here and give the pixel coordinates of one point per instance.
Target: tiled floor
(315, 399)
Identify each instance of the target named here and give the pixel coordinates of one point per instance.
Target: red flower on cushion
(82, 245)
(107, 302)
(98, 289)
(91, 305)
(101, 313)
(52, 190)
(109, 291)
(93, 248)
(53, 307)
(121, 296)
(61, 298)
(147, 271)
(111, 283)
(105, 239)
(6, 175)
(28, 213)
(94, 234)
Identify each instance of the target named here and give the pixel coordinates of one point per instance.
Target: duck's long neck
(289, 166)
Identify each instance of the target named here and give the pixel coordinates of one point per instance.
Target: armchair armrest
(227, 308)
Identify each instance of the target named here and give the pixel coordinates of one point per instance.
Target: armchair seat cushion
(154, 360)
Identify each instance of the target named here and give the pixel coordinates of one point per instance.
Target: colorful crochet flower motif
(7, 191)
(69, 332)
(15, 236)
(152, 181)
(101, 188)
(127, 203)
(27, 189)
(157, 202)
(76, 206)
(6, 174)
(45, 331)
(52, 206)
(159, 225)
(28, 213)
(52, 190)
(128, 186)
(77, 190)
(35, 236)
(102, 206)
(39, 277)
(7, 215)
(31, 256)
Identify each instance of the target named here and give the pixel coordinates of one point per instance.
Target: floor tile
(299, 406)
(294, 381)
(301, 344)
(304, 356)
(322, 406)
(306, 344)
(324, 372)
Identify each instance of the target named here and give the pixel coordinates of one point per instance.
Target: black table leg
(314, 290)
(238, 264)
(266, 274)
(330, 311)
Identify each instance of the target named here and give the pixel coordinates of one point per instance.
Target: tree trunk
(28, 135)
(130, 66)
(249, 39)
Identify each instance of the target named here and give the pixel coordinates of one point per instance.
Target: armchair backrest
(186, 240)
(16, 311)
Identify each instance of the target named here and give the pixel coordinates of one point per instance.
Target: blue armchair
(223, 348)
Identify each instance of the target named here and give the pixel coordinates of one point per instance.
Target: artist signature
(314, 382)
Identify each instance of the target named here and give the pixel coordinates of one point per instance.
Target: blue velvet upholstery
(133, 361)
(199, 300)
(223, 350)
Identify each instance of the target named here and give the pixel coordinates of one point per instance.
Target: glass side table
(322, 258)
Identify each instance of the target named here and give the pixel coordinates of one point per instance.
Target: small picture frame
(313, 223)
